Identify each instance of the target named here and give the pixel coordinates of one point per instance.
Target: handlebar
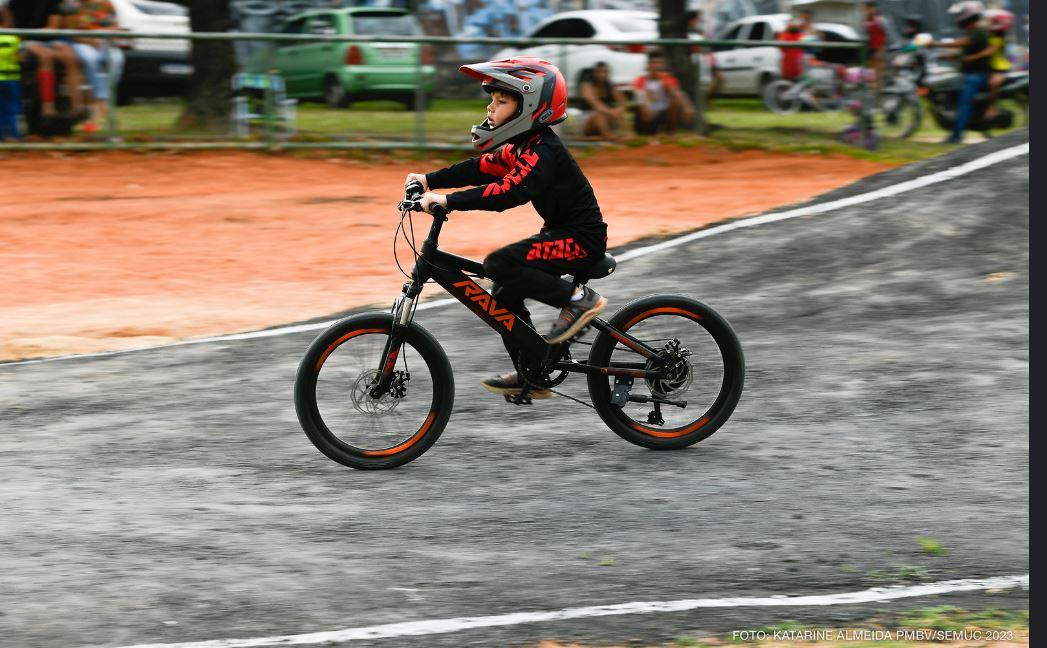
(412, 200)
(413, 190)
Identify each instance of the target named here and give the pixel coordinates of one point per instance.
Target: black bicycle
(375, 390)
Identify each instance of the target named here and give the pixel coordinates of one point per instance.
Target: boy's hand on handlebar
(429, 199)
(417, 177)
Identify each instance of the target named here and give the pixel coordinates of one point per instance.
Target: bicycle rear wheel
(781, 97)
(337, 410)
(706, 375)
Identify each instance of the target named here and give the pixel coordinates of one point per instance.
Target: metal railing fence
(271, 141)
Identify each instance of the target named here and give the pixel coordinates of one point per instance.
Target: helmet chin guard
(539, 88)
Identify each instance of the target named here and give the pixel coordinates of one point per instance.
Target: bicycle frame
(450, 271)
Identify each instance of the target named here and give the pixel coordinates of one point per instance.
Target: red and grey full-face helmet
(537, 85)
(1000, 21)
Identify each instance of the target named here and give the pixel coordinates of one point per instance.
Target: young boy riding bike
(524, 161)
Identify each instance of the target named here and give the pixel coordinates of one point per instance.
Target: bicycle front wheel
(701, 382)
(898, 116)
(343, 417)
(781, 97)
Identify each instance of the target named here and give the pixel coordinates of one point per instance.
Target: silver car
(626, 62)
(747, 70)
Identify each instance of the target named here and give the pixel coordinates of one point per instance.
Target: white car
(155, 66)
(746, 70)
(625, 62)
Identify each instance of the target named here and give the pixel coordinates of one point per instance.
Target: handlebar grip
(414, 190)
(438, 210)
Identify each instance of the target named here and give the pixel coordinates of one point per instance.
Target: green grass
(738, 124)
(446, 118)
(948, 617)
(902, 574)
(930, 546)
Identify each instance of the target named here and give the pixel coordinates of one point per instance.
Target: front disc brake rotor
(365, 404)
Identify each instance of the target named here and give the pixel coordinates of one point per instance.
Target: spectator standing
(660, 104)
(876, 33)
(97, 55)
(47, 14)
(10, 78)
(974, 61)
(792, 57)
(914, 39)
(603, 105)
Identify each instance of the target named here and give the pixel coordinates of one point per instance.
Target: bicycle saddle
(600, 269)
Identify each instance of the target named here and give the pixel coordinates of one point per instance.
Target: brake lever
(410, 205)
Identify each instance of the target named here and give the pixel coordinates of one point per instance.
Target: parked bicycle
(821, 88)
(894, 112)
(375, 390)
(898, 111)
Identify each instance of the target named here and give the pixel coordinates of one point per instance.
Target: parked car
(154, 67)
(342, 72)
(626, 62)
(748, 70)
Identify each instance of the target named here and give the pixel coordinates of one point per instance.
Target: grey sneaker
(575, 315)
(509, 384)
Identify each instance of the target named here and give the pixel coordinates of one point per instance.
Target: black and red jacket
(538, 169)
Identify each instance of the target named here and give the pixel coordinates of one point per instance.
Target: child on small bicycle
(524, 161)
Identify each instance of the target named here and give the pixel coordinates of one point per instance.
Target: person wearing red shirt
(660, 104)
(876, 33)
(792, 57)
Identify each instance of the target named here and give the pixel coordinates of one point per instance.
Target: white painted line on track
(821, 208)
(444, 626)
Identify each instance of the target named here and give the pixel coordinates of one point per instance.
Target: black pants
(531, 269)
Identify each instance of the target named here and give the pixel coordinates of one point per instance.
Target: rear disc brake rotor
(677, 373)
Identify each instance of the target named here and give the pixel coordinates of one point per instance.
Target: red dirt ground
(120, 250)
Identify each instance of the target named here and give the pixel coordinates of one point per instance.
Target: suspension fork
(403, 312)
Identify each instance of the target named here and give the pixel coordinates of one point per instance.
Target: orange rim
(657, 311)
(677, 433)
(339, 341)
(693, 426)
(406, 444)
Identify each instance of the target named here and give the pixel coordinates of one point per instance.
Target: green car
(342, 72)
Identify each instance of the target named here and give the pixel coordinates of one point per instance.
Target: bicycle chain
(589, 405)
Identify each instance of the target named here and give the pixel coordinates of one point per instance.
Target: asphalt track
(169, 495)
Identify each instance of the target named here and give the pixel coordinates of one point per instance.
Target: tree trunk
(214, 65)
(671, 24)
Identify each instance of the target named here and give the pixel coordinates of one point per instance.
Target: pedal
(518, 399)
(654, 417)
